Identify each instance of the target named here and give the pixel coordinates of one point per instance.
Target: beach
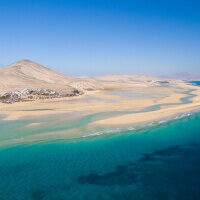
(95, 113)
(103, 101)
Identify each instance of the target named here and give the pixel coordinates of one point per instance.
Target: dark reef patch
(170, 167)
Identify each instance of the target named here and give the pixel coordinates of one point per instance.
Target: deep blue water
(157, 163)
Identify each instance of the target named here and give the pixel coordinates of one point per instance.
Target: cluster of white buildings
(18, 94)
(158, 81)
(46, 92)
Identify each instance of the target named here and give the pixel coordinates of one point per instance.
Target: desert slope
(27, 74)
(26, 69)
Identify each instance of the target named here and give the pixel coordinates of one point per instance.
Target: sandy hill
(125, 81)
(114, 77)
(27, 74)
(26, 69)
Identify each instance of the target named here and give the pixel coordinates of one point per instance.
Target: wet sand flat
(103, 101)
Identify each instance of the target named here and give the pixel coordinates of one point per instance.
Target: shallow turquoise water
(160, 162)
(17, 132)
(151, 163)
(131, 94)
(197, 83)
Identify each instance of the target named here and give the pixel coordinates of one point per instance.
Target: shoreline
(98, 101)
(45, 139)
(146, 117)
(101, 111)
(101, 101)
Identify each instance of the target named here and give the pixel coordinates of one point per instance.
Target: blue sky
(97, 37)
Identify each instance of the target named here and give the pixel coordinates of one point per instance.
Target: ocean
(159, 162)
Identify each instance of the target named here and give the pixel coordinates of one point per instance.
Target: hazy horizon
(94, 38)
(161, 75)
